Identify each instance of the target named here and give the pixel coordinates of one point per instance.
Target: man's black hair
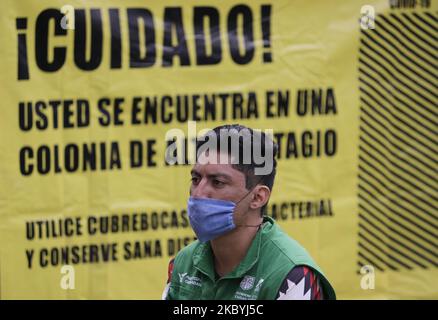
(257, 139)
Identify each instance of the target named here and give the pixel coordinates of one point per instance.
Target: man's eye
(218, 183)
(195, 180)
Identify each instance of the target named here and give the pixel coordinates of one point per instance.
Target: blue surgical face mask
(211, 218)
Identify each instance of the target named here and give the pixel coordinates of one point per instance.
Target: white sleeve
(165, 292)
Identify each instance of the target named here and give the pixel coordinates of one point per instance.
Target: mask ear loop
(247, 225)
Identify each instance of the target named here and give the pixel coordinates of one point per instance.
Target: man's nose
(201, 190)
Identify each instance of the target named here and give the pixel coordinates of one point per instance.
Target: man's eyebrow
(214, 175)
(223, 175)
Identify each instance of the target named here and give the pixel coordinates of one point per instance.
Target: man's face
(219, 181)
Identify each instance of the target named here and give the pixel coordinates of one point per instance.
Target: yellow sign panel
(89, 208)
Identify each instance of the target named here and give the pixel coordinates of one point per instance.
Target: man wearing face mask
(240, 253)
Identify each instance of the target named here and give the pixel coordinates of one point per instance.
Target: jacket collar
(203, 258)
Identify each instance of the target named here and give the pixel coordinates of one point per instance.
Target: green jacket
(270, 257)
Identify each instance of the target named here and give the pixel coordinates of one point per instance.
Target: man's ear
(261, 196)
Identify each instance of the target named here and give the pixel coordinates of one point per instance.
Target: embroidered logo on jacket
(191, 280)
(247, 283)
(182, 276)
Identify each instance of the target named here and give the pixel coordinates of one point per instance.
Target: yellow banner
(90, 209)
